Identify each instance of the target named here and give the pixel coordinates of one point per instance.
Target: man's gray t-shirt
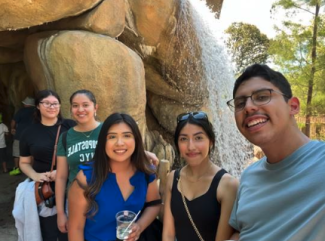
(283, 201)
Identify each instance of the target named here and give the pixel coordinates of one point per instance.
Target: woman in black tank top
(200, 196)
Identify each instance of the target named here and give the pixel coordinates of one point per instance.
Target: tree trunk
(312, 74)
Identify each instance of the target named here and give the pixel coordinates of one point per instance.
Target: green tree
(296, 49)
(247, 45)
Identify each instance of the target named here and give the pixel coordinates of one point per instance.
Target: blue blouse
(102, 226)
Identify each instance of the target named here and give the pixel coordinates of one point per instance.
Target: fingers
(134, 233)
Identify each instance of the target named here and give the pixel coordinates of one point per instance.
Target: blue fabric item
(285, 200)
(102, 226)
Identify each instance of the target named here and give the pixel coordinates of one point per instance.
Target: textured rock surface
(107, 18)
(27, 13)
(105, 66)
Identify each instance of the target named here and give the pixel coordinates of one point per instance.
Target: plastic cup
(123, 220)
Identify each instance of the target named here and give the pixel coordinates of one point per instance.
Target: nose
(250, 106)
(119, 141)
(190, 145)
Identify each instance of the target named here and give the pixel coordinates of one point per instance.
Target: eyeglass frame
(50, 104)
(186, 116)
(232, 107)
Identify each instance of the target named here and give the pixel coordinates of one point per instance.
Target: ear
(294, 106)
(96, 107)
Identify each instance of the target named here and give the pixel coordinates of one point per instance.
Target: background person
(115, 181)
(281, 196)
(37, 142)
(22, 119)
(3, 156)
(200, 192)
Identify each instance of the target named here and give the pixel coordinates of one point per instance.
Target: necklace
(84, 133)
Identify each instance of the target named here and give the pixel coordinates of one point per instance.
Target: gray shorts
(15, 148)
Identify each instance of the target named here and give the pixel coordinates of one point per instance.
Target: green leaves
(247, 45)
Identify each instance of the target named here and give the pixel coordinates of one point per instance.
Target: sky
(255, 12)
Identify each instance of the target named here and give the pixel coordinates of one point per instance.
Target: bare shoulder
(170, 179)
(228, 186)
(229, 181)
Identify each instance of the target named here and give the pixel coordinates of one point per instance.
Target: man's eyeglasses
(199, 115)
(49, 105)
(259, 97)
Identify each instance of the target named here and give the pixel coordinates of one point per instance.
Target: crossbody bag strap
(188, 211)
(55, 148)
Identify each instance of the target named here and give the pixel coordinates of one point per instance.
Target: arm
(25, 164)
(235, 236)
(149, 214)
(169, 227)
(153, 158)
(226, 195)
(77, 209)
(60, 186)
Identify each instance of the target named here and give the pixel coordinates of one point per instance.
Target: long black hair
(205, 124)
(42, 94)
(101, 161)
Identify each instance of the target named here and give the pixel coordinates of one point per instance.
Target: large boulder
(27, 13)
(107, 18)
(72, 60)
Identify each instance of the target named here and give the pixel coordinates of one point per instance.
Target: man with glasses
(282, 196)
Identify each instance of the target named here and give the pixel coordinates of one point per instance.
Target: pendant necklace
(84, 133)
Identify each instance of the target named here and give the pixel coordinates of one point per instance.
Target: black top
(23, 118)
(38, 141)
(205, 211)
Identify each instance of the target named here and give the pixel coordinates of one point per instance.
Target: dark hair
(101, 161)
(88, 93)
(266, 73)
(203, 123)
(42, 94)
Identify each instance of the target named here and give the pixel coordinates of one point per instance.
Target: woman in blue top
(115, 181)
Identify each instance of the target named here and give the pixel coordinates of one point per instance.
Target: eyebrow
(127, 132)
(243, 96)
(198, 133)
(85, 102)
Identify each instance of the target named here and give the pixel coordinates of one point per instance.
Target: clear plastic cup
(123, 221)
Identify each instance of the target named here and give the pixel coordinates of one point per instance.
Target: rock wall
(138, 56)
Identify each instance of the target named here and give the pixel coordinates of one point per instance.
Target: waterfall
(233, 151)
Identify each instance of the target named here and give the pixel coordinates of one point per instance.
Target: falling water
(233, 150)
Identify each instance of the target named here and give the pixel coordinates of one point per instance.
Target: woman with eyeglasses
(119, 178)
(37, 147)
(199, 196)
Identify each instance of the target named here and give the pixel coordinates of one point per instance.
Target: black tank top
(205, 211)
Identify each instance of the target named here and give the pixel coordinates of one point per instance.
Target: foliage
(247, 45)
(299, 51)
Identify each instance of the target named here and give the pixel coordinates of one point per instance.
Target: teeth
(255, 122)
(120, 151)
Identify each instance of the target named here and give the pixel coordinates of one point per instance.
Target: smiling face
(193, 144)
(120, 143)
(269, 123)
(49, 113)
(83, 109)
